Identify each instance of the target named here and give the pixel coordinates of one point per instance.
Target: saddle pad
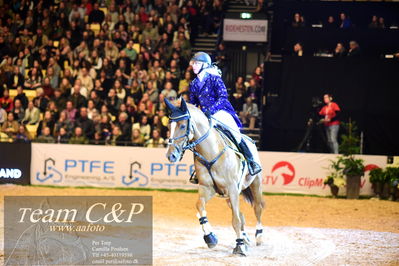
(225, 133)
(232, 143)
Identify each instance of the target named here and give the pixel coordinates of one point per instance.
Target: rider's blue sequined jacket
(211, 95)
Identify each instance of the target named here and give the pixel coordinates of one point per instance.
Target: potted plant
(335, 178)
(345, 170)
(385, 182)
(377, 179)
(392, 179)
(353, 168)
(395, 190)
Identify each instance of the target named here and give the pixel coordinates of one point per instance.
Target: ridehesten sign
(15, 161)
(251, 30)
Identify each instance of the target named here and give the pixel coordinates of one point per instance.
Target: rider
(208, 91)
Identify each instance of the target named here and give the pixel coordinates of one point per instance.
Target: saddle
(232, 143)
(229, 138)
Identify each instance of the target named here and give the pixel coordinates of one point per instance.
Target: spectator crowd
(343, 22)
(98, 71)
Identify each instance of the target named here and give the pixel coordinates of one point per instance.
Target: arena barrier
(110, 166)
(107, 166)
(15, 163)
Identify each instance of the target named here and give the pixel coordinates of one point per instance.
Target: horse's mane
(195, 111)
(192, 108)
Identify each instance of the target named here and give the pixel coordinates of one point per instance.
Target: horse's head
(180, 130)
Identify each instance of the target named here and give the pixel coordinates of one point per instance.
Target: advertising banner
(252, 30)
(100, 166)
(108, 166)
(304, 173)
(15, 163)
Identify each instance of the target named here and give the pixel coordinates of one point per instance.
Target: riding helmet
(201, 57)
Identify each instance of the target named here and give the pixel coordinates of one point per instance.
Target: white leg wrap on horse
(203, 214)
(206, 227)
(259, 234)
(246, 238)
(259, 226)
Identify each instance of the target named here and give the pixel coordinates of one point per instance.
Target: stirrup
(193, 179)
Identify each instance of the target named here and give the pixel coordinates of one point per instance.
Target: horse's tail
(249, 197)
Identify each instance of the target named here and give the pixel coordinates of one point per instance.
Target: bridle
(187, 144)
(171, 140)
(191, 145)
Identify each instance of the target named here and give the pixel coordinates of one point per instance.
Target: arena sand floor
(299, 230)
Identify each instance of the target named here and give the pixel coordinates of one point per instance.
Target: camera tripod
(305, 144)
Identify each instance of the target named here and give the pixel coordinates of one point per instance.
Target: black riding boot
(253, 166)
(193, 178)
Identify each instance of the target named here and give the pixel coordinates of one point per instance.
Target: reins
(191, 146)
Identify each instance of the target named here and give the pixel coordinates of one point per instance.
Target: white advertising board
(304, 173)
(242, 30)
(109, 166)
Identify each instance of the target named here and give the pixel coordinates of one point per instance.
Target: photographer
(330, 113)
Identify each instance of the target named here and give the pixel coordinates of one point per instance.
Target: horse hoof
(211, 240)
(240, 249)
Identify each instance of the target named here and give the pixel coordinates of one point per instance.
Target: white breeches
(226, 118)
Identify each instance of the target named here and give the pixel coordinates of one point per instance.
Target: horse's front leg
(205, 194)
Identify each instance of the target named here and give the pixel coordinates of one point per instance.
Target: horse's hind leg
(242, 218)
(241, 248)
(259, 204)
(245, 236)
(205, 194)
